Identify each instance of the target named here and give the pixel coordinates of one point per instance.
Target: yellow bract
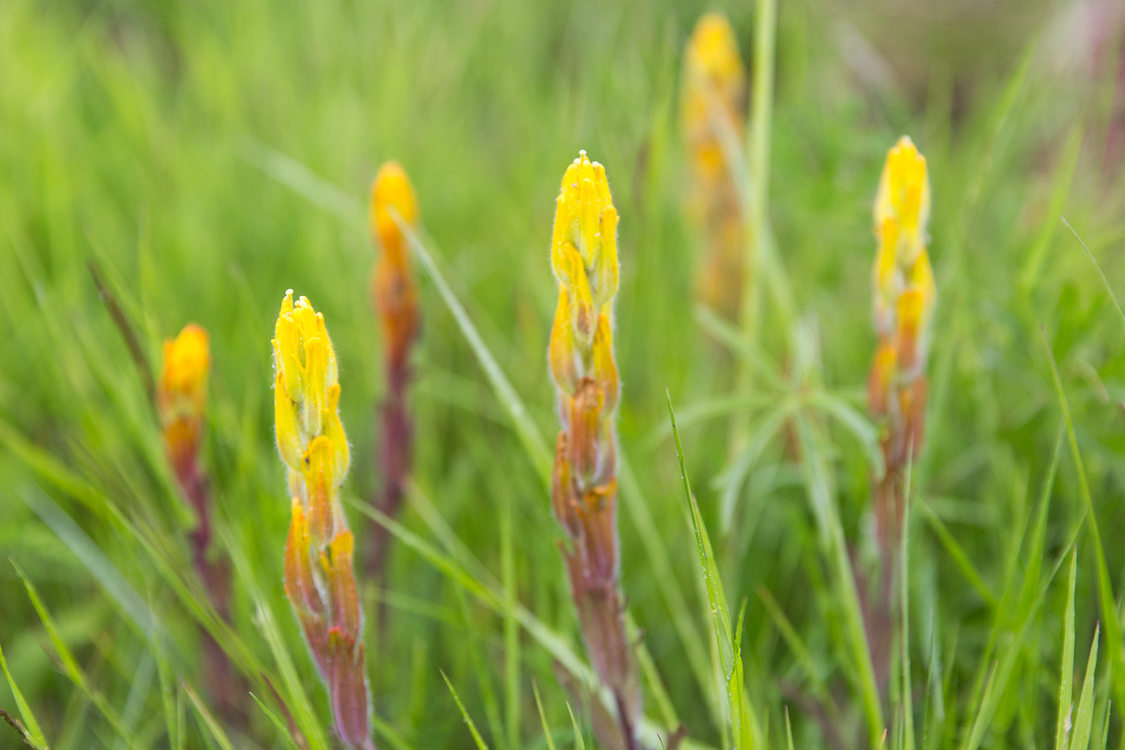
(904, 197)
(584, 242)
(713, 51)
(306, 388)
(187, 360)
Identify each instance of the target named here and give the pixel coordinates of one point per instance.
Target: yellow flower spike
(319, 578)
(904, 294)
(391, 192)
(712, 117)
(580, 356)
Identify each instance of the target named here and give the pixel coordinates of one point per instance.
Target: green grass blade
(1105, 589)
(1101, 273)
(528, 433)
(279, 725)
(1084, 718)
(1066, 670)
(579, 739)
(34, 733)
(207, 719)
(832, 533)
(477, 739)
(70, 664)
(743, 724)
(547, 737)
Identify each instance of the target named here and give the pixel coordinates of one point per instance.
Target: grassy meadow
(202, 158)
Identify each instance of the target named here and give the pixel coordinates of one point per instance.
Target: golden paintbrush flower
(584, 485)
(319, 581)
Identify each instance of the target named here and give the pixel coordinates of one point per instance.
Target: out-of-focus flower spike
(713, 118)
(904, 298)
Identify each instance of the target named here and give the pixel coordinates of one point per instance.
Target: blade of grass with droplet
(34, 733)
(640, 515)
(1066, 669)
(1084, 717)
(477, 739)
(744, 729)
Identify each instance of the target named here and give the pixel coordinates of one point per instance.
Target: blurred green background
(207, 156)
